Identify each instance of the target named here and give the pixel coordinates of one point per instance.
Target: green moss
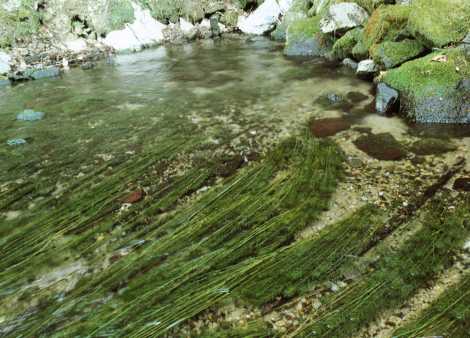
(391, 54)
(439, 22)
(306, 27)
(120, 13)
(368, 5)
(425, 77)
(304, 38)
(387, 23)
(344, 46)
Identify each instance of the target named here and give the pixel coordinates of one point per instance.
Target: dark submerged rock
(381, 146)
(432, 146)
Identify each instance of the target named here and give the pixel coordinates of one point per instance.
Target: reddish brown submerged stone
(328, 126)
(383, 147)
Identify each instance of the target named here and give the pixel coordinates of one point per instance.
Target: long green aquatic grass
(192, 256)
(448, 316)
(398, 275)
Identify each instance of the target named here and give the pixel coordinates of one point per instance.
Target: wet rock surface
(386, 99)
(328, 126)
(381, 146)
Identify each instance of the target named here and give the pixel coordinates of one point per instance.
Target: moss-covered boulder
(432, 89)
(344, 46)
(296, 12)
(438, 23)
(387, 23)
(390, 54)
(305, 39)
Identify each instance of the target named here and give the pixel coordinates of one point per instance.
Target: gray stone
(30, 115)
(366, 68)
(215, 28)
(350, 63)
(343, 16)
(385, 99)
(16, 142)
(43, 73)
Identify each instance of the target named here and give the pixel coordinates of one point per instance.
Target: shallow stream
(164, 158)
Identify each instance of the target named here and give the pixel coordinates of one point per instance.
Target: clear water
(240, 96)
(144, 122)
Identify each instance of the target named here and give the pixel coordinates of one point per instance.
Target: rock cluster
(417, 51)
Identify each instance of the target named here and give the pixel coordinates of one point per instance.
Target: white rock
(343, 16)
(5, 60)
(144, 31)
(205, 23)
(285, 5)
(366, 67)
(186, 26)
(466, 246)
(264, 18)
(76, 46)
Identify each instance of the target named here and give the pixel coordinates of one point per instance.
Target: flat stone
(366, 68)
(262, 20)
(343, 16)
(350, 63)
(43, 73)
(16, 142)
(385, 99)
(30, 115)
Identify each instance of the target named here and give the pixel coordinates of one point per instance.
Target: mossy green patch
(438, 23)
(344, 46)
(391, 54)
(386, 23)
(305, 39)
(428, 86)
(120, 13)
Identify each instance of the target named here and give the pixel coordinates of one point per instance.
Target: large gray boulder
(343, 16)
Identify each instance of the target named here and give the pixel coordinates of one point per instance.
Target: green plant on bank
(398, 275)
(20, 24)
(448, 316)
(121, 12)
